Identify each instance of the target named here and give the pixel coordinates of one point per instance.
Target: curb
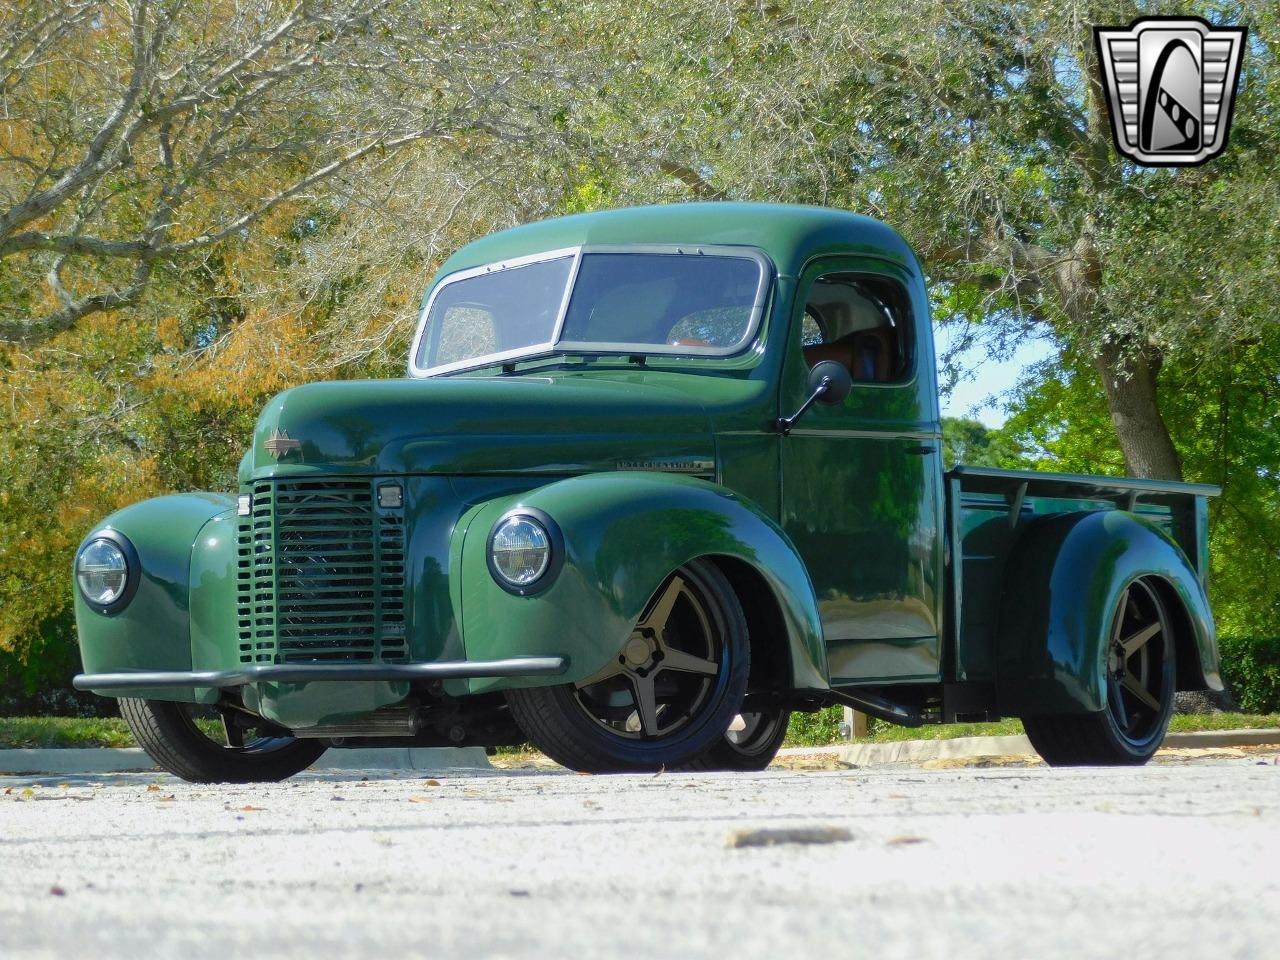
(916, 751)
(82, 760)
(76, 760)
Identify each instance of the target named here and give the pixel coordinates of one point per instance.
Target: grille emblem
(280, 443)
(1170, 85)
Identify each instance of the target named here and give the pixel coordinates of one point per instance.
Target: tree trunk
(1129, 375)
(1129, 379)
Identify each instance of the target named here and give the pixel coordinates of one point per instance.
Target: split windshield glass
(690, 304)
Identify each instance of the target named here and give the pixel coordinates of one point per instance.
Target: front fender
(1066, 574)
(624, 533)
(153, 632)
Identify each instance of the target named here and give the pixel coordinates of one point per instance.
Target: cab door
(861, 492)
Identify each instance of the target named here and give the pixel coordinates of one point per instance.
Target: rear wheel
(669, 696)
(1139, 673)
(208, 745)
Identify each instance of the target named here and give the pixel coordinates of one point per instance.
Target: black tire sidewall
(163, 730)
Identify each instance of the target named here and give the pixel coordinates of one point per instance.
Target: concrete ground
(1178, 859)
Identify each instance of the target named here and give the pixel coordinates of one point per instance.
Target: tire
(750, 749)
(669, 697)
(1139, 656)
(168, 733)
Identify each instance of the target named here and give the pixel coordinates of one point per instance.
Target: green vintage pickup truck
(656, 478)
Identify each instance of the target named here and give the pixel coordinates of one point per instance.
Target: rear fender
(1064, 581)
(624, 533)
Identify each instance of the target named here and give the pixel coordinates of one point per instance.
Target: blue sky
(979, 396)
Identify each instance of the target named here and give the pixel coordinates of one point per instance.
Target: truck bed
(988, 509)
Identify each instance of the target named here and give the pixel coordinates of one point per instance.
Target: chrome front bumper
(311, 672)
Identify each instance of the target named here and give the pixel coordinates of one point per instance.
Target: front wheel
(227, 747)
(668, 698)
(1139, 673)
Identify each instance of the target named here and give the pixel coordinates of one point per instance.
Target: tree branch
(26, 333)
(71, 245)
(97, 158)
(693, 180)
(328, 170)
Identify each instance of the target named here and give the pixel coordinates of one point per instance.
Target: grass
(1192, 722)
(36, 732)
(64, 732)
(818, 729)
(807, 729)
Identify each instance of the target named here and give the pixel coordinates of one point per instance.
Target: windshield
(694, 303)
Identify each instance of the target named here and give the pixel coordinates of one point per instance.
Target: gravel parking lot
(1178, 858)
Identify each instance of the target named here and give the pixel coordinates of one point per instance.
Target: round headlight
(520, 550)
(102, 572)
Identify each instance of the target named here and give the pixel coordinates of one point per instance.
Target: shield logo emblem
(1171, 84)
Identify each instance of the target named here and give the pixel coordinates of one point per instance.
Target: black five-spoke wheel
(1140, 681)
(666, 671)
(670, 695)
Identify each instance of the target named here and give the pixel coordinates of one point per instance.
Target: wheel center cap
(636, 651)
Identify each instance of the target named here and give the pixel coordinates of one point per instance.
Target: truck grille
(320, 574)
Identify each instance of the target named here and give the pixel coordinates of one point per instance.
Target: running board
(312, 672)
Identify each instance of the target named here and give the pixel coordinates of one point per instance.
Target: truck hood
(529, 424)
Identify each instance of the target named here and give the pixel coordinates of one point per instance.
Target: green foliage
(879, 731)
(43, 732)
(1251, 670)
(37, 675)
(1059, 416)
(976, 445)
(1224, 416)
(815, 729)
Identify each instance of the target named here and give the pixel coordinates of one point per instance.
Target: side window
(810, 330)
(862, 322)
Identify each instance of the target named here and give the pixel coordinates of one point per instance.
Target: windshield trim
(556, 345)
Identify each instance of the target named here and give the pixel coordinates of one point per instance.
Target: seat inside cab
(854, 321)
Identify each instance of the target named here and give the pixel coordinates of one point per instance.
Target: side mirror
(829, 382)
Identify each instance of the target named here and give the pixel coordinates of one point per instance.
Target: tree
(974, 444)
(232, 162)
(136, 135)
(979, 130)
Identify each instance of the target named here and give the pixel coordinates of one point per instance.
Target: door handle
(922, 449)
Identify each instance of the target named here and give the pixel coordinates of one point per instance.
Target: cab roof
(791, 235)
